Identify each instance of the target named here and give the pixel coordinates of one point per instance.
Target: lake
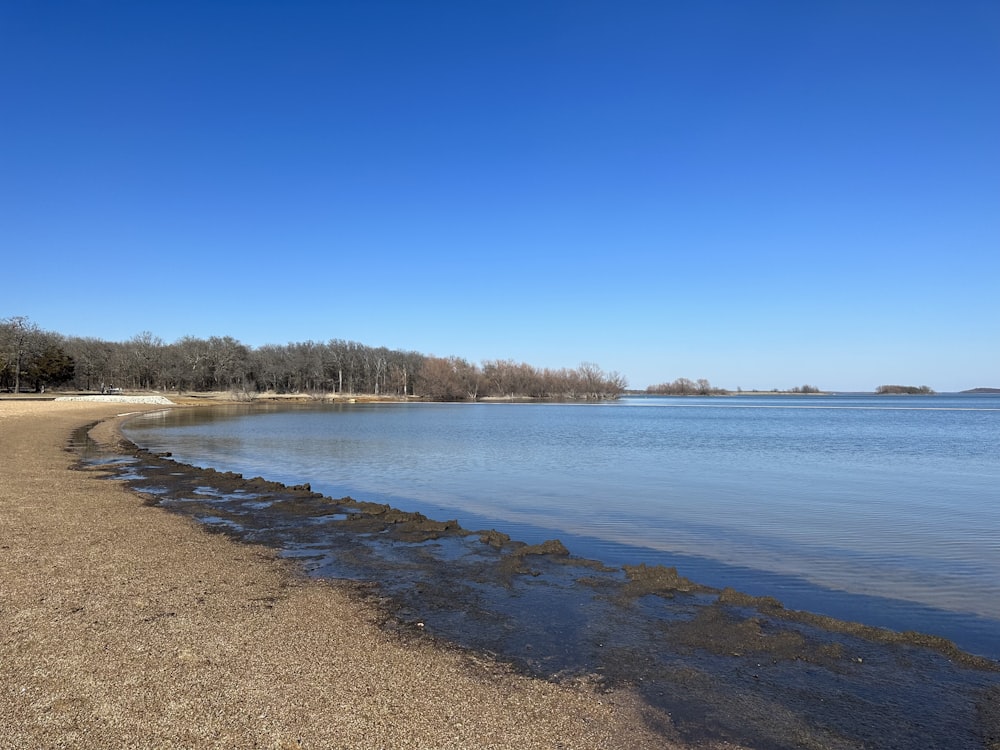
(879, 509)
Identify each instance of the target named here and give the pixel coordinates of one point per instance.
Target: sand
(122, 625)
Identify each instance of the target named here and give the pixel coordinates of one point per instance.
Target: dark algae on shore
(726, 666)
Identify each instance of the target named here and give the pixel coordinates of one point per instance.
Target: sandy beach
(127, 626)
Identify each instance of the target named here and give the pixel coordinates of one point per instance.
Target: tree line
(31, 358)
(701, 387)
(686, 387)
(912, 390)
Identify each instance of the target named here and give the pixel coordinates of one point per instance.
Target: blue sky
(764, 194)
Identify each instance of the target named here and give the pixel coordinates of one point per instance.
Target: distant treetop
(921, 390)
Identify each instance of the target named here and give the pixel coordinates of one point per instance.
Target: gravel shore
(126, 626)
(119, 399)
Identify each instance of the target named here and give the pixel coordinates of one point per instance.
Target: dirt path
(122, 625)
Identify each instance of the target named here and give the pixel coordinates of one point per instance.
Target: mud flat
(127, 626)
(725, 666)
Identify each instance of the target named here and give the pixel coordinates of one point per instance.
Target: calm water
(879, 509)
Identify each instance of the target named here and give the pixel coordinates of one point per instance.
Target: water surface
(878, 509)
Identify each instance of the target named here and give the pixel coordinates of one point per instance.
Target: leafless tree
(449, 379)
(223, 363)
(142, 359)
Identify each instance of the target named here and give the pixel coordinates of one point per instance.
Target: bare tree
(686, 387)
(270, 364)
(143, 359)
(449, 379)
(592, 377)
(229, 362)
(502, 377)
(93, 360)
(223, 363)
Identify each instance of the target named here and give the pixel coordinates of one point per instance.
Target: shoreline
(414, 527)
(819, 673)
(709, 699)
(127, 626)
(981, 644)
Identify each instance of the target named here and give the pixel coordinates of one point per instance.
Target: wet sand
(127, 626)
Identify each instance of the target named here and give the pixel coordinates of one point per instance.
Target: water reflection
(851, 496)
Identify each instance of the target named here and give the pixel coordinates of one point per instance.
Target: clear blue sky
(763, 194)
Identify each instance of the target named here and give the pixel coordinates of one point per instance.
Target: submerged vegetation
(33, 359)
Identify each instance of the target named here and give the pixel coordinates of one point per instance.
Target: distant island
(915, 390)
(701, 387)
(982, 390)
